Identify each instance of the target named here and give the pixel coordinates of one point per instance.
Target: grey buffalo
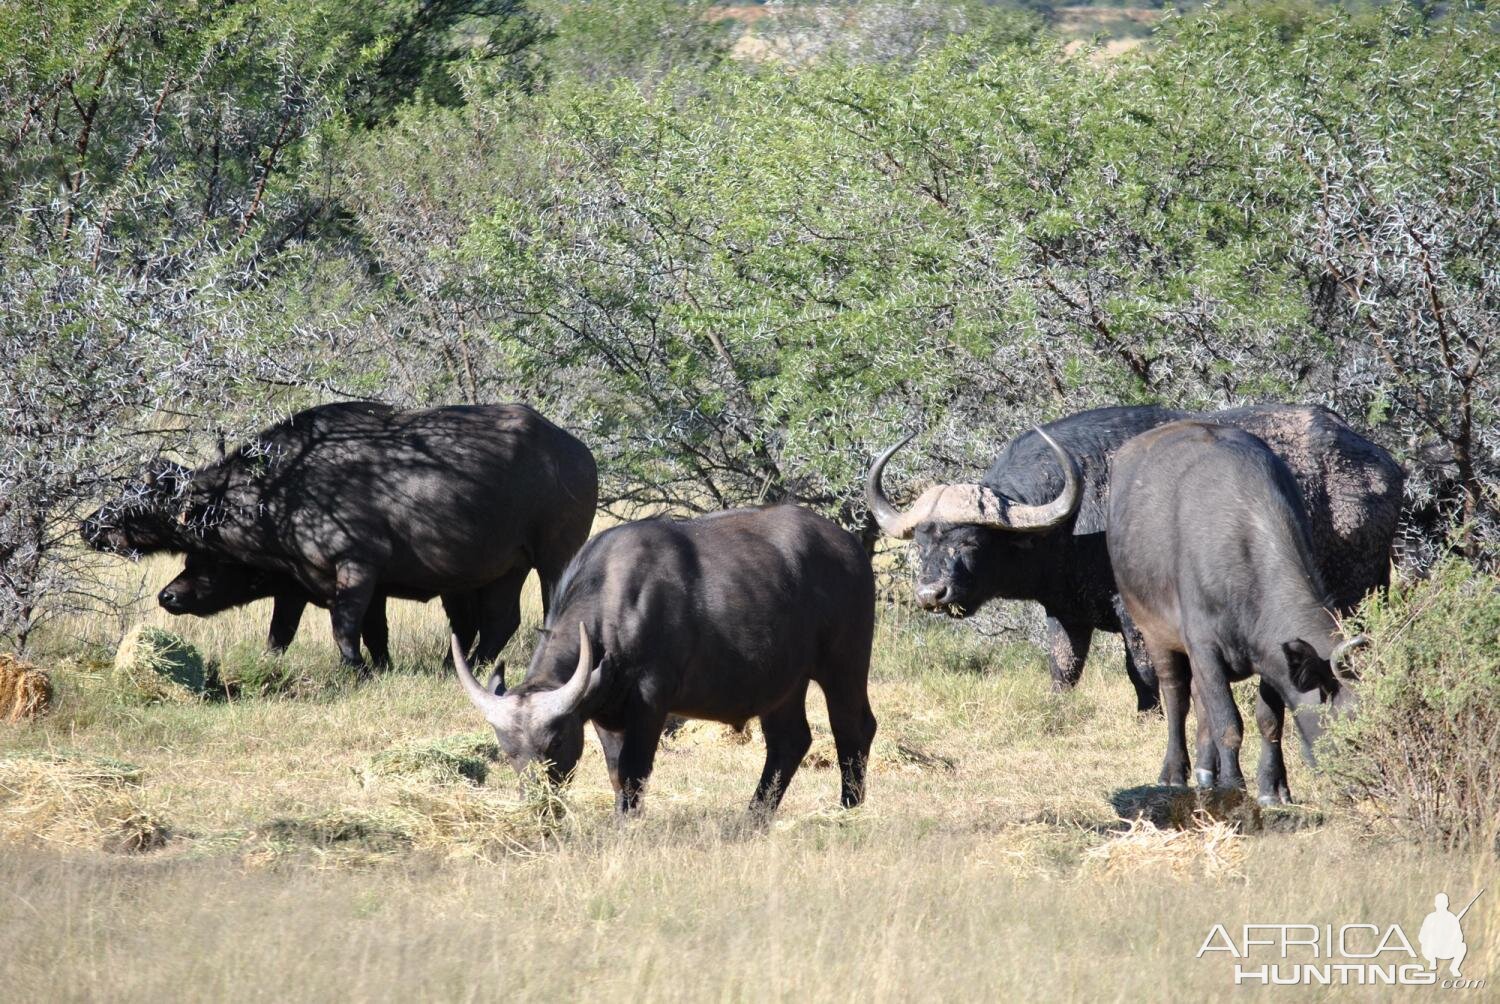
(352, 502)
(1212, 552)
(726, 617)
(1023, 533)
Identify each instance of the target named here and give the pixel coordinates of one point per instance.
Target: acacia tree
(1379, 144)
(159, 187)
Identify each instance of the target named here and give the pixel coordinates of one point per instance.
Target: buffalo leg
(462, 619)
(377, 634)
(286, 616)
(1139, 665)
(1067, 651)
(1206, 775)
(355, 589)
(1211, 683)
(1270, 777)
(612, 742)
(637, 756)
(1172, 674)
(787, 741)
(499, 609)
(853, 725)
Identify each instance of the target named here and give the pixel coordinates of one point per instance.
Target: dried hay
(25, 691)
(445, 760)
(454, 821)
(78, 801)
(1211, 849)
(463, 822)
(154, 666)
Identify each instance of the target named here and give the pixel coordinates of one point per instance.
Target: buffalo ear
(496, 683)
(1308, 671)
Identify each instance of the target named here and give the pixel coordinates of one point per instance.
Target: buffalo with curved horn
(1022, 533)
(726, 617)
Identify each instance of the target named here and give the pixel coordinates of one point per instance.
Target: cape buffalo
(1018, 535)
(353, 501)
(208, 585)
(725, 617)
(1212, 552)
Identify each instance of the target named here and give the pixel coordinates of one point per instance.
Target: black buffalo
(1020, 534)
(726, 617)
(357, 501)
(208, 585)
(1212, 552)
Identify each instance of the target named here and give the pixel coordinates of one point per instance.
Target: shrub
(1423, 743)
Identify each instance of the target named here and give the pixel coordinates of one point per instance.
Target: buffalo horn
(976, 505)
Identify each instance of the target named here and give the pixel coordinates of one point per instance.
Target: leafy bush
(1423, 743)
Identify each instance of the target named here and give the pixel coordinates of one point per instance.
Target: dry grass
(1210, 849)
(25, 691)
(340, 844)
(76, 801)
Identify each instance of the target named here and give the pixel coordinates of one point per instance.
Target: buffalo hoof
(1280, 796)
(1205, 778)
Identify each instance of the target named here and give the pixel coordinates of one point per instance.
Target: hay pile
(446, 760)
(469, 823)
(73, 800)
(25, 691)
(154, 666)
(1211, 849)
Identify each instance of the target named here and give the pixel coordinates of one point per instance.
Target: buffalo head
(534, 726)
(970, 539)
(209, 585)
(145, 519)
(1326, 683)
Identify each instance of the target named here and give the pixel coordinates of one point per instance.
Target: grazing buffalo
(357, 501)
(727, 617)
(1021, 533)
(1212, 552)
(208, 585)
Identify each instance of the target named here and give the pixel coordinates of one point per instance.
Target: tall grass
(313, 854)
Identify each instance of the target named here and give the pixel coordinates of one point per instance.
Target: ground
(989, 861)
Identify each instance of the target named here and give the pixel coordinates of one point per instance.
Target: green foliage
(735, 277)
(1422, 744)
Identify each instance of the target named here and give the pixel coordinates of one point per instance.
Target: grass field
(989, 861)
